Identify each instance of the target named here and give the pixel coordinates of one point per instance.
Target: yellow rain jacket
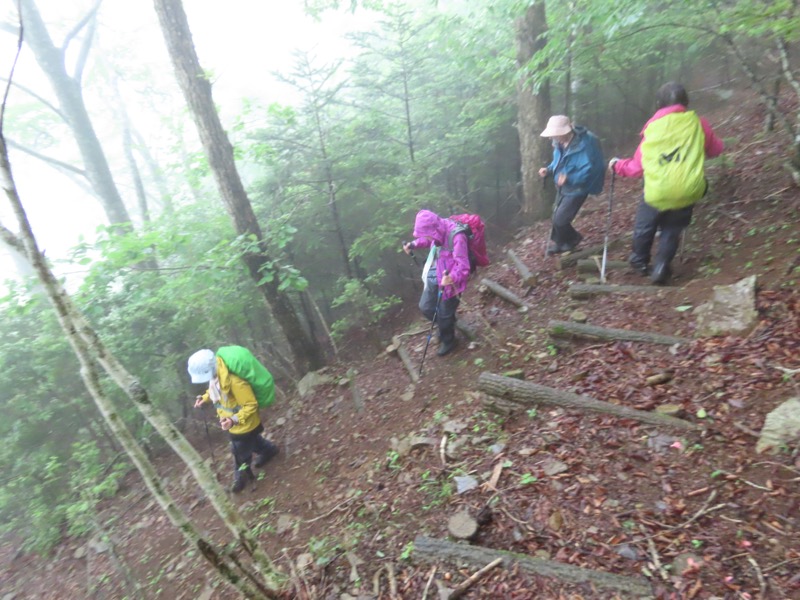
(237, 398)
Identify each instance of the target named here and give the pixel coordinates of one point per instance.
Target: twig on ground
(430, 581)
(331, 511)
(746, 429)
(468, 583)
(443, 451)
(654, 555)
(762, 584)
(777, 464)
(780, 564)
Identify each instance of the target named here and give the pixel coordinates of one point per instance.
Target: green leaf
(683, 307)
(701, 413)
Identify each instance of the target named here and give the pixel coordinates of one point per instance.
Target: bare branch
(11, 73)
(49, 160)
(30, 92)
(89, 16)
(86, 45)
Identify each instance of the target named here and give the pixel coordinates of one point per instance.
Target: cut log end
(462, 526)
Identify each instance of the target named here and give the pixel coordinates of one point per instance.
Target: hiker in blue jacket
(578, 169)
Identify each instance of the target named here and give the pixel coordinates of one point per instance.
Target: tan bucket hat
(557, 125)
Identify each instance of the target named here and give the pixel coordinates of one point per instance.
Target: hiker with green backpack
(671, 158)
(238, 385)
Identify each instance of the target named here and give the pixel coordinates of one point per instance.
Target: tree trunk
(526, 392)
(433, 550)
(533, 110)
(68, 90)
(197, 91)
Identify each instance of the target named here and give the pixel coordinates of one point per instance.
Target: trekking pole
(410, 253)
(430, 333)
(608, 227)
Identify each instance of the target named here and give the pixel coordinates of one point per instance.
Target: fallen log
(526, 392)
(585, 290)
(398, 348)
(505, 294)
(526, 277)
(434, 550)
(594, 264)
(567, 329)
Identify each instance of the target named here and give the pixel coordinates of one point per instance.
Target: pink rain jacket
(430, 228)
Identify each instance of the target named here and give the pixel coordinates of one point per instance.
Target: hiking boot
(241, 479)
(446, 347)
(262, 459)
(661, 273)
(570, 247)
(640, 268)
(552, 248)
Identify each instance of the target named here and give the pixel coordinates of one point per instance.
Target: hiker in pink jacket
(671, 158)
(446, 269)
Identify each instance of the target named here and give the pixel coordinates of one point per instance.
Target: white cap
(202, 366)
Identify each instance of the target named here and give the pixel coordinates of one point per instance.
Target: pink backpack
(472, 226)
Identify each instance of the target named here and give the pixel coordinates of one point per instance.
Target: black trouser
(243, 445)
(568, 202)
(446, 315)
(648, 221)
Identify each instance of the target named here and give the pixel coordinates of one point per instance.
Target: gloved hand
(611, 164)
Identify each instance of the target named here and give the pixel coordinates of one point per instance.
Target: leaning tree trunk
(533, 110)
(68, 90)
(197, 91)
(90, 350)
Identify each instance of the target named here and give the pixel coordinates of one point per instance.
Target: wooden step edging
(459, 553)
(585, 290)
(527, 393)
(567, 329)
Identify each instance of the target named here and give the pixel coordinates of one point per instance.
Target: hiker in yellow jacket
(671, 158)
(237, 409)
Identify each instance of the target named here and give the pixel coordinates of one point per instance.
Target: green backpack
(241, 362)
(673, 159)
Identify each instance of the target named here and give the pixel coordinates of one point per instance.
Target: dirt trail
(592, 491)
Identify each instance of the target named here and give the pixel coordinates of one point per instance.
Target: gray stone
(552, 467)
(285, 523)
(305, 561)
(781, 427)
(497, 448)
(465, 484)
(311, 380)
(629, 552)
(454, 426)
(660, 442)
(685, 561)
(731, 310)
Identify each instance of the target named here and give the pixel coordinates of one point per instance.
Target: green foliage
(365, 308)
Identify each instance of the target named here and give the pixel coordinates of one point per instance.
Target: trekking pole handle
(407, 247)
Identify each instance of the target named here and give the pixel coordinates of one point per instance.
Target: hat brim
(555, 131)
(201, 377)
